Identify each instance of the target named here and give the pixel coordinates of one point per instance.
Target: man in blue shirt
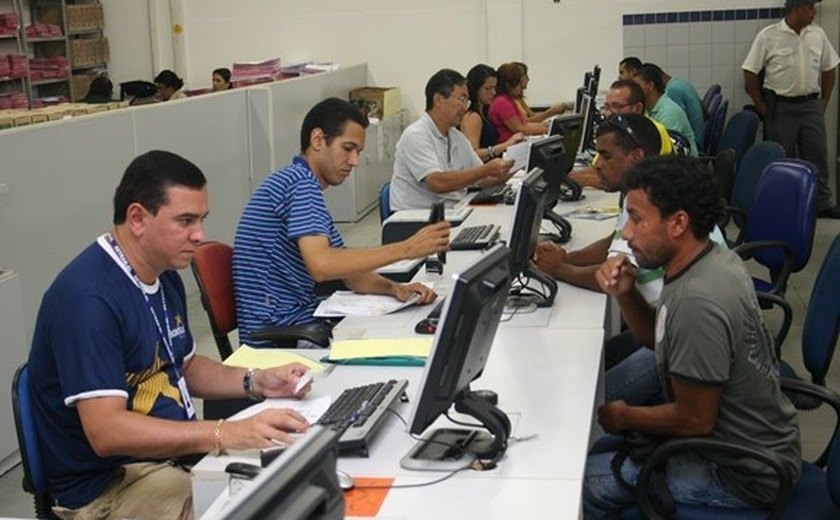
(286, 239)
(662, 108)
(113, 365)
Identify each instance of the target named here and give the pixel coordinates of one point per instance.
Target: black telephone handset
(435, 265)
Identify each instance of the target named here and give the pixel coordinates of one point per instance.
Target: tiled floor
(816, 426)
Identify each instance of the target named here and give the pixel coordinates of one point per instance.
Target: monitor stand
(526, 297)
(451, 449)
(564, 227)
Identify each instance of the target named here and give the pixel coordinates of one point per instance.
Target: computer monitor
(570, 126)
(461, 347)
(593, 82)
(552, 156)
(523, 239)
(299, 484)
(588, 110)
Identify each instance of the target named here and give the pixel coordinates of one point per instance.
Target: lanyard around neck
(165, 336)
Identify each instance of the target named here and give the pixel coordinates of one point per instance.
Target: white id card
(185, 398)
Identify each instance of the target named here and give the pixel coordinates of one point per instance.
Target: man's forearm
(209, 379)
(827, 85)
(639, 316)
(754, 89)
(593, 254)
(370, 283)
(582, 276)
(664, 420)
(448, 181)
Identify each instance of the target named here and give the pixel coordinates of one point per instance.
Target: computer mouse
(345, 481)
(426, 326)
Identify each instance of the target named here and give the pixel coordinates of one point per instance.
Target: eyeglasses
(464, 100)
(619, 122)
(614, 107)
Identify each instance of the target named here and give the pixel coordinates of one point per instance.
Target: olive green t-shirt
(709, 331)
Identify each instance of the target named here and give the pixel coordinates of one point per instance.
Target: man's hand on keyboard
(280, 381)
(262, 430)
(431, 239)
(424, 294)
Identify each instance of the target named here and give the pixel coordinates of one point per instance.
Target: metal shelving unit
(80, 34)
(10, 86)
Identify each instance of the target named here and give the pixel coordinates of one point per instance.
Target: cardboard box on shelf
(379, 102)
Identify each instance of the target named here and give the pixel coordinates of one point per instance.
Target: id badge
(185, 398)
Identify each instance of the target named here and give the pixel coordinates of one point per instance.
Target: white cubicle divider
(57, 179)
(212, 132)
(60, 179)
(291, 99)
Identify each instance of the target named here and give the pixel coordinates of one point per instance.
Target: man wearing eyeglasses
(623, 97)
(434, 161)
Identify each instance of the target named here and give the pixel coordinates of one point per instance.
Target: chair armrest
(747, 250)
(668, 448)
(820, 393)
(287, 335)
(768, 301)
(740, 217)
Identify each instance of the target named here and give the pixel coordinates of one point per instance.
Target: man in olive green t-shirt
(714, 355)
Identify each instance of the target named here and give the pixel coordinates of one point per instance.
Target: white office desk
(574, 307)
(547, 369)
(547, 381)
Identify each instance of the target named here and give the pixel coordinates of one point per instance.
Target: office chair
(34, 480)
(385, 202)
(756, 159)
(739, 134)
(718, 119)
(711, 92)
(821, 327)
(815, 496)
(709, 110)
(723, 166)
(781, 222)
(213, 271)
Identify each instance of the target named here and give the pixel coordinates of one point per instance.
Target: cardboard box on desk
(382, 101)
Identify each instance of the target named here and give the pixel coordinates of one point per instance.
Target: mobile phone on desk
(435, 264)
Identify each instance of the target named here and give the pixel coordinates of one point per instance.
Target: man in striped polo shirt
(286, 239)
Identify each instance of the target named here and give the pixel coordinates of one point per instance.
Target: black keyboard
(358, 411)
(475, 237)
(492, 195)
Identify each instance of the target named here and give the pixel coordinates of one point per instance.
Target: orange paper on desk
(367, 496)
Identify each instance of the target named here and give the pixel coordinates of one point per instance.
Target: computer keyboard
(491, 195)
(475, 237)
(359, 412)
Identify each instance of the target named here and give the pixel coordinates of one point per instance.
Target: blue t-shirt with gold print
(95, 337)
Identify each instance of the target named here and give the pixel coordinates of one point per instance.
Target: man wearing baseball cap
(799, 71)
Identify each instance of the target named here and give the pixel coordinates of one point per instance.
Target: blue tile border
(759, 13)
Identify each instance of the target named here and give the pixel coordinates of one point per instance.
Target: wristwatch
(248, 385)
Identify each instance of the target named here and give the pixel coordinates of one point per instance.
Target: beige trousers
(142, 490)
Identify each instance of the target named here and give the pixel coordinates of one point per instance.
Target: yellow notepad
(381, 348)
(250, 357)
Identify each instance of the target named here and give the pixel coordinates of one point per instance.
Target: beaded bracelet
(217, 438)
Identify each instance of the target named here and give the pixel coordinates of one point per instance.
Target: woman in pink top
(503, 112)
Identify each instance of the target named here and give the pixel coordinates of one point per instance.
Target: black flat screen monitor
(570, 126)
(588, 109)
(549, 154)
(461, 347)
(299, 484)
(595, 78)
(523, 238)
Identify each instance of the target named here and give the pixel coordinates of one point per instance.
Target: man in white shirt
(799, 71)
(434, 161)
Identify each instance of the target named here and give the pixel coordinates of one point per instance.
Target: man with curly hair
(713, 354)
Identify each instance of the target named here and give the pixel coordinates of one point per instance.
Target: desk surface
(546, 368)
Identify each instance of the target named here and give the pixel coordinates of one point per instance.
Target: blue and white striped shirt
(270, 279)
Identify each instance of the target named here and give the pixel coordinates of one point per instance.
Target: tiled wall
(704, 47)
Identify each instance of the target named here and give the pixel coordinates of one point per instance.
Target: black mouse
(426, 326)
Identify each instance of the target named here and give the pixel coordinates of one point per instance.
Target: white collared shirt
(793, 62)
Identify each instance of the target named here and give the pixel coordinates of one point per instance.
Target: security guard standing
(799, 71)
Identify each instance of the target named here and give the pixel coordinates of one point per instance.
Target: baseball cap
(790, 4)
